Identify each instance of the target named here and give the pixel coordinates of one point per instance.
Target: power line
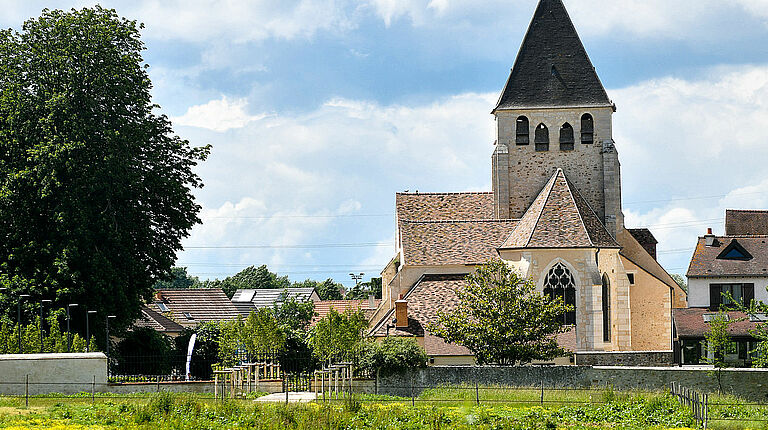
(316, 246)
(298, 216)
(693, 198)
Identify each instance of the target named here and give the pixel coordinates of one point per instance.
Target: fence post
(26, 393)
(542, 392)
(158, 383)
(285, 378)
(477, 394)
(706, 411)
(376, 389)
(413, 397)
(93, 390)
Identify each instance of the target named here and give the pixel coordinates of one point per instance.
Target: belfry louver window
(566, 137)
(541, 138)
(587, 129)
(522, 131)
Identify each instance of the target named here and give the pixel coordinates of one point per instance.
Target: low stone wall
(750, 384)
(52, 373)
(633, 358)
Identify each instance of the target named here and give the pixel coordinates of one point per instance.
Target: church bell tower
(554, 113)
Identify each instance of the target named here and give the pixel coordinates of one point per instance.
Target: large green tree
(95, 188)
(251, 277)
(502, 319)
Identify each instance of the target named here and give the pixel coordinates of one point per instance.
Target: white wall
(698, 289)
(52, 373)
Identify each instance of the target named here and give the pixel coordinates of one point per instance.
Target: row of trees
(260, 277)
(50, 334)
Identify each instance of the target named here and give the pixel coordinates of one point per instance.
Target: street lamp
(69, 336)
(88, 330)
(42, 304)
(18, 317)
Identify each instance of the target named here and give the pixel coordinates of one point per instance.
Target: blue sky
(320, 110)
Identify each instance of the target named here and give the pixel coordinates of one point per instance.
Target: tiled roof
(631, 249)
(689, 323)
(453, 242)
(746, 222)
(643, 236)
(552, 68)
(560, 218)
(444, 206)
(706, 263)
(157, 322)
(202, 305)
(248, 300)
(323, 307)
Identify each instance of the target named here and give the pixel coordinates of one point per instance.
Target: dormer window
(541, 138)
(734, 251)
(587, 129)
(522, 131)
(566, 137)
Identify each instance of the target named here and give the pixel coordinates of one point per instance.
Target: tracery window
(606, 309)
(559, 282)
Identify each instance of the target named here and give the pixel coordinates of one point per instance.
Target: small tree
(391, 355)
(502, 319)
(335, 337)
(718, 343)
(262, 333)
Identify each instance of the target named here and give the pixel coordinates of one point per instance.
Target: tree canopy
(336, 335)
(95, 188)
(249, 278)
(502, 319)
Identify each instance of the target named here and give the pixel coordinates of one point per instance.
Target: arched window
(606, 309)
(566, 137)
(522, 131)
(559, 283)
(541, 138)
(587, 129)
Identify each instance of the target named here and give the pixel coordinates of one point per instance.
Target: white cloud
(218, 115)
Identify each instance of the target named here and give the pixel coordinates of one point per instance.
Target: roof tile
(453, 242)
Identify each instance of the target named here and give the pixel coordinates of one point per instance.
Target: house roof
(643, 236)
(634, 251)
(444, 206)
(323, 307)
(690, 323)
(552, 68)
(705, 261)
(200, 304)
(248, 300)
(559, 218)
(428, 243)
(157, 322)
(746, 222)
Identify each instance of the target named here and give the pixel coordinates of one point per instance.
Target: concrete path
(293, 397)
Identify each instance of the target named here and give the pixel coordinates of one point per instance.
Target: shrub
(391, 355)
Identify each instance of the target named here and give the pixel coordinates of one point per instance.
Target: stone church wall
(651, 313)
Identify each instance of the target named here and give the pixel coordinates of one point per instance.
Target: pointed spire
(559, 218)
(552, 68)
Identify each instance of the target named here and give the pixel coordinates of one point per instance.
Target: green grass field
(439, 408)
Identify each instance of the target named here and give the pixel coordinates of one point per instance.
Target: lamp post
(88, 330)
(42, 304)
(18, 317)
(69, 336)
(2, 290)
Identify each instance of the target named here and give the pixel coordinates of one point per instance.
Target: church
(554, 214)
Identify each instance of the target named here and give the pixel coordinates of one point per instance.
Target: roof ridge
(455, 221)
(442, 193)
(578, 212)
(747, 210)
(551, 185)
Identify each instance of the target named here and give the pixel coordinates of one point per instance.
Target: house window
(587, 129)
(606, 309)
(566, 137)
(522, 131)
(163, 307)
(559, 283)
(734, 251)
(631, 277)
(541, 138)
(727, 295)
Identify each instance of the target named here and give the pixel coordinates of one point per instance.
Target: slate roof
(202, 304)
(643, 236)
(746, 222)
(157, 322)
(559, 218)
(552, 68)
(323, 307)
(705, 261)
(689, 323)
(248, 300)
(444, 206)
(453, 242)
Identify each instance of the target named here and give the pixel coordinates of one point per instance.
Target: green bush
(391, 355)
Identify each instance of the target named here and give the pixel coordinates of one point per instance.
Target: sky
(319, 111)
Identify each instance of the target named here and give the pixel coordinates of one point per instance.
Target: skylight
(712, 317)
(163, 307)
(188, 316)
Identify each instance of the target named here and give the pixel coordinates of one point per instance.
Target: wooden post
(413, 397)
(542, 392)
(706, 411)
(93, 390)
(26, 393)
(477, 394)
(215, 386)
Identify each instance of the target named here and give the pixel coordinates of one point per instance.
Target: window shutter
(715, 298)
(748, 294)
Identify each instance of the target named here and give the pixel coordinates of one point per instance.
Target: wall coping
(623, 352)
(53, 356)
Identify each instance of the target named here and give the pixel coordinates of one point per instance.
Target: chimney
(371, 301)
(158, 296)
(401, 313)
(709, 238)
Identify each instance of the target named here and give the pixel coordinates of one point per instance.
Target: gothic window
(541, 138)
(566, 137)
(606, 309)
(587, 129)
(521, 131)
(559, 283)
